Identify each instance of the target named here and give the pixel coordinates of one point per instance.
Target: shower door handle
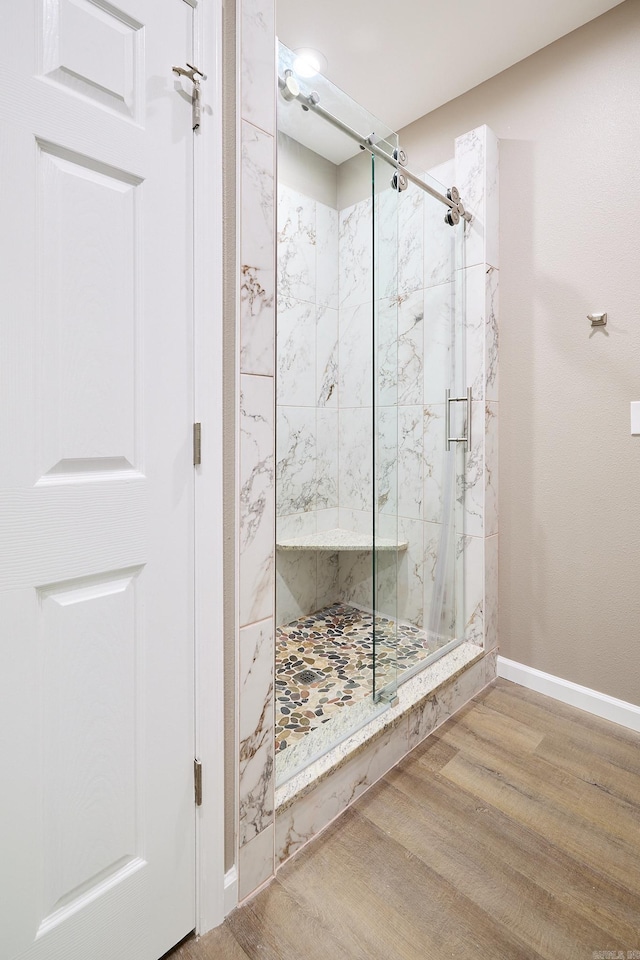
(447, 416)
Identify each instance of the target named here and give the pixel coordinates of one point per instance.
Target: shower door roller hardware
(400, 156)
(399, 182)
(289, 86)
(193, 74)
(448, 400)
(312, 100)
(456, 211)
(452, 217)
(597, 319)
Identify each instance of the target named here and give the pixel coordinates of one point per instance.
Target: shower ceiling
(401, 60)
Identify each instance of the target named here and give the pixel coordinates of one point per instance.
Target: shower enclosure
(371, 418)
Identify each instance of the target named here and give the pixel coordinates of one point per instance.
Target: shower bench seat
(339, 541)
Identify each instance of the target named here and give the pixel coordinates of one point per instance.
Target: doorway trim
(208, 490)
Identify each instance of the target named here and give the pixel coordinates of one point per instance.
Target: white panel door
(97, 814)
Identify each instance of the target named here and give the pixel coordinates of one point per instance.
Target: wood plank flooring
(513, 832)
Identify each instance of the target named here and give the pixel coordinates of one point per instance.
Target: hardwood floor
(513, 832)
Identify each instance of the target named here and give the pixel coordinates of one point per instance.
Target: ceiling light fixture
(309, 62)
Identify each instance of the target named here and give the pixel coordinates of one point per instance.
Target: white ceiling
(401, 59)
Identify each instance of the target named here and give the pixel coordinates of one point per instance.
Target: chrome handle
(448, 400)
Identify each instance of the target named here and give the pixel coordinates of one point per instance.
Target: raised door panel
(95, 50)
(89, 636)
(89, 301)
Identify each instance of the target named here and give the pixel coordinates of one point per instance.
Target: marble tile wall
(307, 401)
(256, 522)
(476, 173)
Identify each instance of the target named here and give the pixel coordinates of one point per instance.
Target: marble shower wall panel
(491, 470)
(472, 549)
(256, 862)
(356, 278)
(480, 293)
(257, 519)
(439, 316)
(409, 333)
(327, 591)
(385, 349)
(434, 462)
(257, 56)
(410, 243)
(384, 283)
(256, 729)
(295, 525)
(477, 175)
(438, 245)
(410, 462)
(326, 356)
(305, 581)
(355, 368)
(296, 589)
(355, 476)
(307, 401)
(327, 227)
(411, 572)
(355, 583)
(438, 597)
(473, 289)
(296, 353)
(296, 485)
(296, 220)
(257, 281)
(359, 521)
(296, 245)
(470, 487)
(491, 592)
(385, 480)
(326, 459)
(491, 346)
(256, 345)
(477, 179)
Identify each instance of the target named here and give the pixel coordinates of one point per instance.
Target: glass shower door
(336, 607)
(419, 373)
(445, 418)
(385, 519)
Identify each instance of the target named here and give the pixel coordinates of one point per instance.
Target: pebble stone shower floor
(337, 642)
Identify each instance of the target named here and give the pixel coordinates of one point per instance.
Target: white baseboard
(600, 704)
(230, 890)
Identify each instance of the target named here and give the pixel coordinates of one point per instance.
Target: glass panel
(325, 442)
(370, 336)
(460, 621)
(430, 478)
(385, 558)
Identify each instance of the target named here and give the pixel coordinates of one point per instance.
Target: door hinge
(197, 781)
(197, 444)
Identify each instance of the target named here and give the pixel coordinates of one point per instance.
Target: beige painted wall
(569, 122)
